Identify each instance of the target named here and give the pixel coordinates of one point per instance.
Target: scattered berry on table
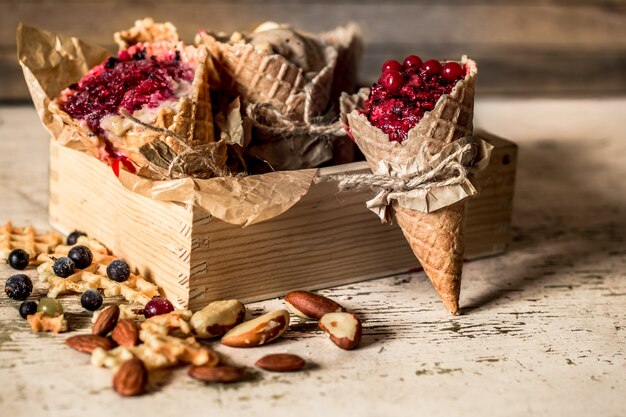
(50, 307)
(63, 267)
(18, 259)
(73, 237)
(158, 306)
(81, 255)
(18, 287)
(91, 300)
(27, 308)
(118, 270)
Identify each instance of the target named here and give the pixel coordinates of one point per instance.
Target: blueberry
(118, 270)
(27, 308)
(91, 300)
(81, 255)
(18, 259)
(63, 267)
(110, 62)
(18, 287)
(137, 56)
(73, 237)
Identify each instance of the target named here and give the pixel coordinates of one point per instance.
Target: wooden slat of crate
(327, 239)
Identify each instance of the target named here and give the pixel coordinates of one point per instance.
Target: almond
(217, 318)
(131, 378)
(281, 362)
(344, 329)
(88, 342)
(309, 305)
(258, 331)
(106, 321)
(222, 373)
(125, 333)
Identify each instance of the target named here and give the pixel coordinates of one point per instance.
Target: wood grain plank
(538, 24)
(523, 48)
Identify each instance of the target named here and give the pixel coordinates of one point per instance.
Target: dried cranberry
(158, 306)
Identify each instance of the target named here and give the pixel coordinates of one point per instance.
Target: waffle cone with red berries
(436, 238)
(188, 117)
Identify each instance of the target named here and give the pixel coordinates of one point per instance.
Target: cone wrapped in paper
(189, 119)
(432, 224)
(264, 77)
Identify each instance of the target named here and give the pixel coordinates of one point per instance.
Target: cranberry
(451, 71)
(392, 64)
(431, 67)
(392, 80)
(123, 55)
(158, 306)
(412, 61)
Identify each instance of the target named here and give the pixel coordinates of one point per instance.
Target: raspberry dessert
(405, 92)
(144, 80)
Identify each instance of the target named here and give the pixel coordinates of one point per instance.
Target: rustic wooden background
(530, 47)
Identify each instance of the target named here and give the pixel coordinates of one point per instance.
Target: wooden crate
(326, 239)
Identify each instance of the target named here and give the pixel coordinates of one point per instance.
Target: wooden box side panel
(324, 240)
(153, 236)
(330, 238)
(488, 222)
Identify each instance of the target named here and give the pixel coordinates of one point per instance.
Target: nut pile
(133, 340)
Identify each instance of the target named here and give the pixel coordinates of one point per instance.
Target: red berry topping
(392, 80)
(452, 71)
(158, 306)
(412, 61)
(390, 65)
(431, 67)
(401, 98)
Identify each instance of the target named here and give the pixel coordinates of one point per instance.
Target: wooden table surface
(543, 330)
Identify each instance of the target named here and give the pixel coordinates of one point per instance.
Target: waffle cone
(146, 30)
(261, 77)
(436, 238)
(191, 121)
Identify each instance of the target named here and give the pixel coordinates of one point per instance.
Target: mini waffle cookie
(146, 30)
(165, 323)
(42, 323)
(157, 351)
(27, 239)
(135, 289)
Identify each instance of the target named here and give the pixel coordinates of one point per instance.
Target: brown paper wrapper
(432, 221)
(288, 104)
(51, 62)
